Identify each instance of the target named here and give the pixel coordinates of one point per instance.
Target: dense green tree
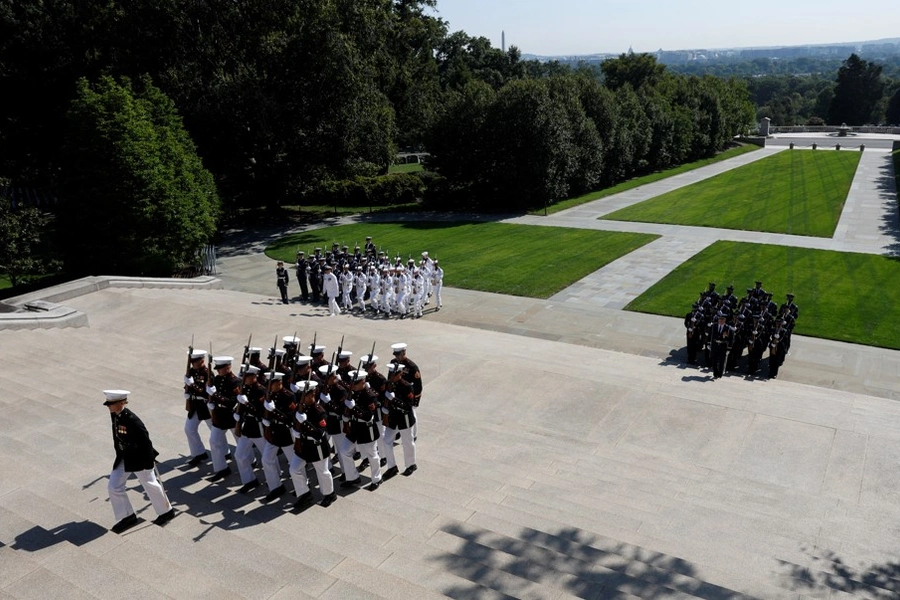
(636, 70)
(892, 114)
(20, 234)
(136, 198)
(858, 90)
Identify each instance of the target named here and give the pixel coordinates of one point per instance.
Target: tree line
(152, 119)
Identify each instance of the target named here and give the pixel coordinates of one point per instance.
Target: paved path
(868, 224)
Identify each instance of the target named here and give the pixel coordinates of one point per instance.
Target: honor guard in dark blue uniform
(719, 336)
(195, 399)
(312, 446)
(282, 279)
(134, 454)
(302, 269)
(401, 419)
(278, 420)
(361, 430)
(248, 417)
(222, 398)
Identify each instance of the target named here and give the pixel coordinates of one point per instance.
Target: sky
(564, 27)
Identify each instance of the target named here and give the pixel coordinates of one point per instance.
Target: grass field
(407, 168)
(639, 181)
(5, 282)
(518, 260)
(842, 296)
(798, 192)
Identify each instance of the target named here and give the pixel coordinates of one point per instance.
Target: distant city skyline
(568, 27)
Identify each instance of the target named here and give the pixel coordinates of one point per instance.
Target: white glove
(210, 390)
(211, 405)
(269, 405)
(188, 380)
(294, 434)
(266, 423)
(389, 395)
(295, 388)
(301, 417)
(384, 410)
(349, 403)
(242, 399)
(324, 397)
(187, 396)
(236, 416)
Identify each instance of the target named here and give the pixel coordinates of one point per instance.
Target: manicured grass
(842, 296)
(800, 192)
(407, 168)
(639, 181)
(5, 282)
(518, 260)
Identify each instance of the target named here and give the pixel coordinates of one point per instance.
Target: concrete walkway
(868, 224)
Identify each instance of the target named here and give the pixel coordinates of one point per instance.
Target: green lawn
(800, 192)
(518, 260)
(5, 282)
(842, 296)
(639, 181)
(407, 168)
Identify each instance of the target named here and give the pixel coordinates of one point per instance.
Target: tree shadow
(890, 219)
(536, 563)
(829, 572)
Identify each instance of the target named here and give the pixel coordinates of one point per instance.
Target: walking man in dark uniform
(134, 454)
(302, 268)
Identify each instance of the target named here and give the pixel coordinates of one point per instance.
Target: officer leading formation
(322, 415)
(722, 326)
(368, 281)
(134, 455)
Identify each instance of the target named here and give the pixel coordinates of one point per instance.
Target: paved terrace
(546, 470)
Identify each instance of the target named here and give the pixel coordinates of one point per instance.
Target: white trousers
(333, 306)
(437, 293)
(301, 481)
(369, 450)
(192, 432)
(243, 456)
(271, 468)
(383, 443)
(118, 496)
(409, 447)
(218, 447)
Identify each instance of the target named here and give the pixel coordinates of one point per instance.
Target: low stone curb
(41, 309)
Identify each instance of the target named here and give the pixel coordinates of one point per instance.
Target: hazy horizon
(572, 27)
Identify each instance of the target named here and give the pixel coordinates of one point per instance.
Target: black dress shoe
(125, 524)
(303, 500)
(373, 486)
(356, 455)
(276, 493)
(198, 459)
(220, 475)
(164, 518)
(392, 472)
(350, 484)
(409, 470)
(248, 487)
(383, 462)
(329, 500)
(363, 464)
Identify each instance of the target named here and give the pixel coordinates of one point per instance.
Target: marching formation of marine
(366, 279)
(722, 326)
(320, 413)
